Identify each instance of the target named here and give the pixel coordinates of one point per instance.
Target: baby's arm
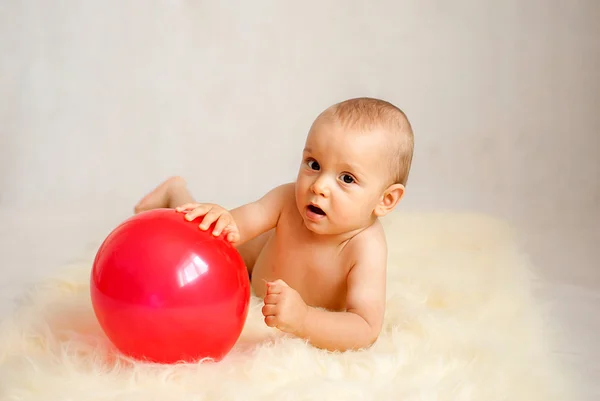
(245, 222)
(359, 326)
(262, 215)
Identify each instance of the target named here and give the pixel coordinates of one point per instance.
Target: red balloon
(165, 291)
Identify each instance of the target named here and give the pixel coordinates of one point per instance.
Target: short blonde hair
(366, 113)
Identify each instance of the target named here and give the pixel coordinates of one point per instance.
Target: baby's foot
(160, 196)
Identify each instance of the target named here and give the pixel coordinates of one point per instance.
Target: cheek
(347, 203)
(350, 203)
(302, 182)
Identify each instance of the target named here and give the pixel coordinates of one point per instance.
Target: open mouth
(316, 210)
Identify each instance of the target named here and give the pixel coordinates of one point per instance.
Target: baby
(314, 248)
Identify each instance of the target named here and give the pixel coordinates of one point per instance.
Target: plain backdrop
(102, 100)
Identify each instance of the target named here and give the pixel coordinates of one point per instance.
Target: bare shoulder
(369, 247)
(288, 191)
(277, 198)
(281, 192)
(285, 195)
(263, 214)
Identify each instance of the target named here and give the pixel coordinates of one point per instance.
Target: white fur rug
(461, 324)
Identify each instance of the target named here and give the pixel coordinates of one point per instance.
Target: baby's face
(341, 179)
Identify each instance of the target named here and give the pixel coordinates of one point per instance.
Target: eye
(347, 178)
(314, 165)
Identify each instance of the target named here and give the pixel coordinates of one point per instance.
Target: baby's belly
(315, 286)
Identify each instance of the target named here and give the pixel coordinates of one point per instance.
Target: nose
(320, 187)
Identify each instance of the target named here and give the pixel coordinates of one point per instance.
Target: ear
(390, 198)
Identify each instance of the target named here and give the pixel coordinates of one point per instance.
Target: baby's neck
(339, 239)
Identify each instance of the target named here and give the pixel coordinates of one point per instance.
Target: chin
(320, 228)
(314, 227)
(323, 229)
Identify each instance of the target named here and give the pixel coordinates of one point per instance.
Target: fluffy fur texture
(461, 324)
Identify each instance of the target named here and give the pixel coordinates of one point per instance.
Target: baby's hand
(212, 213)
(284, 307)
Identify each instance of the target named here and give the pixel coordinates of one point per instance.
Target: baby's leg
(171, 193)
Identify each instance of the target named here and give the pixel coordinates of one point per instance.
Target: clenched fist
(284, 307)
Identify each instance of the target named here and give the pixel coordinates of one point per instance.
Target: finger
(273, 288)
(271, 299)
(209, 218)
(233, 231)
(223, 222)
(269, 310)
(280, 282)
(271, 321)
(276, 286)
(186, 207)
(233, 236)
(196, 212)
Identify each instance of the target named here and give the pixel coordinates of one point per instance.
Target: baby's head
(355, 165)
